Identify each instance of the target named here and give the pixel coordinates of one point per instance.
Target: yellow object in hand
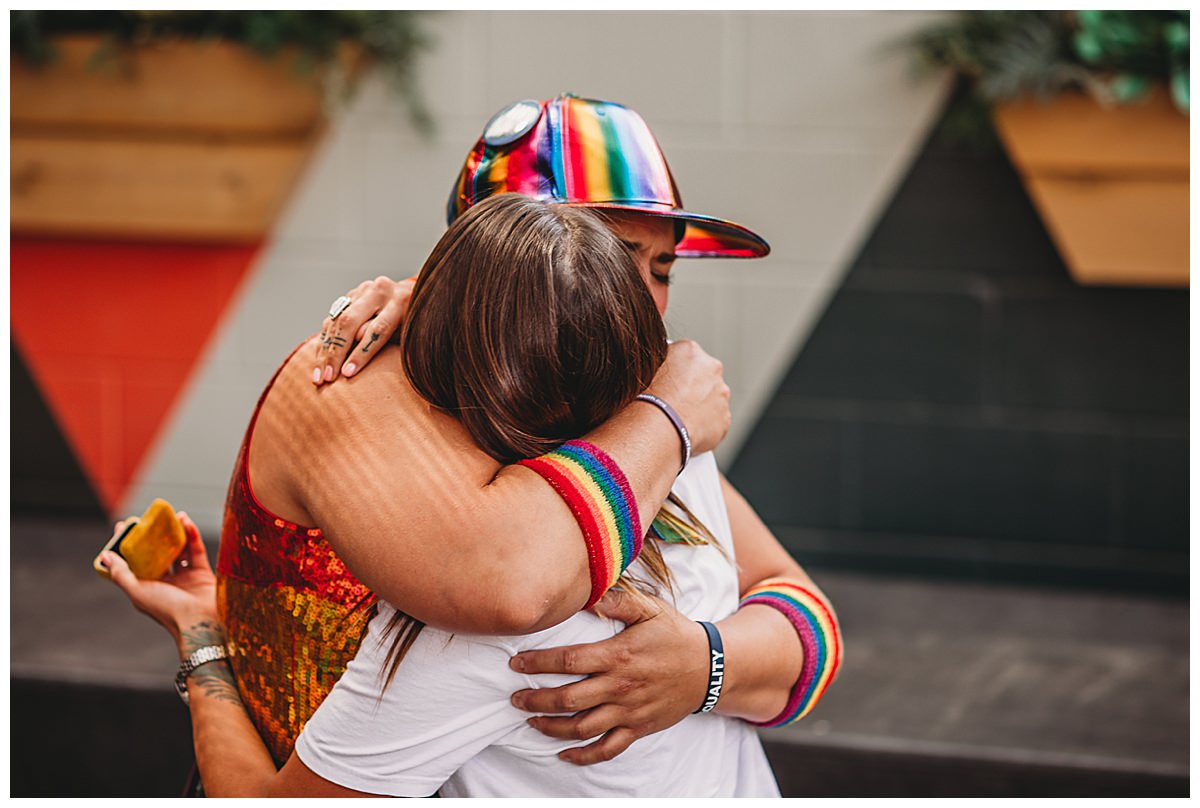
(150, 544)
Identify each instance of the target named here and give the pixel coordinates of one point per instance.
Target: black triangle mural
(50, 481)
(964, 408)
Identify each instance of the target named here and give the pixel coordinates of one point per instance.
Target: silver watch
(209, 653)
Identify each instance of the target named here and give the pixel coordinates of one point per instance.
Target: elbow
(480, 604)
(523, 609)
(539, 598)
(523, 581)
(527, 593)
(516, 622)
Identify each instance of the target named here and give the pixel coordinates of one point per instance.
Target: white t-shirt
(446, 721)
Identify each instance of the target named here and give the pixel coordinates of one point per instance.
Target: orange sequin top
(293, 614)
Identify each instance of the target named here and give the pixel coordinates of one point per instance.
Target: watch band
(201, 656)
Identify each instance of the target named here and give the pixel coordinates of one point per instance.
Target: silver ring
(339, 306)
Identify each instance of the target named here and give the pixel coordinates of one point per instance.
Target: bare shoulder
(355, 411)
(383, 383)
(372, 421)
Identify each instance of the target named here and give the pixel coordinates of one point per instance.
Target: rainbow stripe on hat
(820, 636)
(609, 155)
(600, 498)
(580, 151)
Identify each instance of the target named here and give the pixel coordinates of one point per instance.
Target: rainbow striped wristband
(599, 496)
(820, 637)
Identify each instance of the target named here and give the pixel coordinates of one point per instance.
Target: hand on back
(645, 679)
(356, 335)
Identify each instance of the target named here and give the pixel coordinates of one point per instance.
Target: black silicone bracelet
(716, 667)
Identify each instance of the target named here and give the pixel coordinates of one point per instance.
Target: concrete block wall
(799, 124)
(965, 408)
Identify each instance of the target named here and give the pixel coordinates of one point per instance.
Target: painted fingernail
(316, 375)
(349, 369)
(329, 373)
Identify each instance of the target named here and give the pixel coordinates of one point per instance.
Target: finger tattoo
(332, 341)
(374, 338)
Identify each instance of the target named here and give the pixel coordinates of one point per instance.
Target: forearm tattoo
(214, 678)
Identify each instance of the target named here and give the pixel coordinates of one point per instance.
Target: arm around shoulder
(427, 520)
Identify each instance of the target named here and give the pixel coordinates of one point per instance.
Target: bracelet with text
(600, 498)
(817, 626)
(716, 667)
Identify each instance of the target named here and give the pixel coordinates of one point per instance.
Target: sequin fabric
(293, 614)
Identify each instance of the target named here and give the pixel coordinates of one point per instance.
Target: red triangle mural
(111, 333)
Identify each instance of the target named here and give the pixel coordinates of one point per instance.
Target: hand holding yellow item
(150, 544)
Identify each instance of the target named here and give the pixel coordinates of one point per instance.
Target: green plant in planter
(1136, 47)
(391, 39)
(1115, 56)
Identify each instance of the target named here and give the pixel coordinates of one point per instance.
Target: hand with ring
(359, 324)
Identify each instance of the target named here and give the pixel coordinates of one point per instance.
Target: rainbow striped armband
(817, 625)
(599, 496)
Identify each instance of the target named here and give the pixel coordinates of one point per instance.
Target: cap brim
(705, 237)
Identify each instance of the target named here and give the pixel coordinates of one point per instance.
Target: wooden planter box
(1111, 184)
(191, 141)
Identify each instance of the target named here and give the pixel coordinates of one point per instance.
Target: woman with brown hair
(529, 324)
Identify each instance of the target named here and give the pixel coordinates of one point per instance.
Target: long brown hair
(531, 324)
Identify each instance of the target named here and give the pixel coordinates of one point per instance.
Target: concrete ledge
(867, 768)
(70, 739)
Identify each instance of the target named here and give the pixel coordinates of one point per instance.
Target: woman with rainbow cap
(782, 640)
(568, 150)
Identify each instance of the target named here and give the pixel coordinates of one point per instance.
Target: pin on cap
(581, 151)
(511, 123)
